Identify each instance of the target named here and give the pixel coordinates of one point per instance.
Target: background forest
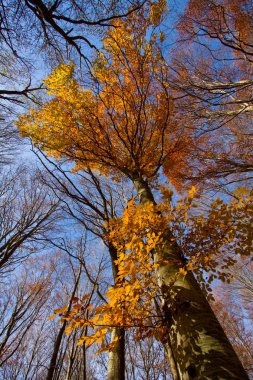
(126, 189)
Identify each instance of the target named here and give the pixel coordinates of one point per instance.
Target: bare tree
(145, 359)
(28, 214)
(21, 305)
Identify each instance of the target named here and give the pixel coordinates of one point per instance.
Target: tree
(54, 32)
(233, 306)
(146, 359)
(66, 22)
(28, 213)
(92, 202)
(53, 361)
(21, 307)
(116, 127)
(28, 336)
(37, 31)
(235, 325)
(210, 74)
(227, 22)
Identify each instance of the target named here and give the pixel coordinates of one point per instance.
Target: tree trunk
(57, 344)
(116, 363)
(199, 345)
(84, 360)
(72, 357)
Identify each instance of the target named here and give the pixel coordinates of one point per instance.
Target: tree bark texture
(198, 343)
(116, 363)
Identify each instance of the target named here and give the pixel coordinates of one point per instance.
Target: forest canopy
(127, 232)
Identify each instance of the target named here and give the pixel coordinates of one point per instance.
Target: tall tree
(92, 202)
(35, 35)
(122, 127)
(211, 77)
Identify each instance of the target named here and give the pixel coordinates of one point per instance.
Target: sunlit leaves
(225, 229)
(157, 11)
(117, 123)
(120, 125)
(61, 80)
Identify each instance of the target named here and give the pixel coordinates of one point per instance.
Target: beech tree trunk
(116, 362)
(198, 343)
(57, 344)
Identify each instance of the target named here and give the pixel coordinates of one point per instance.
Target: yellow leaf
(192, 192)
(51, 317)
(182, 271)
(58, 311)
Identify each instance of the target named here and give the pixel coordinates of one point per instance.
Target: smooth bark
(197, 341)
(116, 362)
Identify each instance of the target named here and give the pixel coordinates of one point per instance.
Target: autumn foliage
(124, 125)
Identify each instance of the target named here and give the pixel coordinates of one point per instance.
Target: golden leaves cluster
(223, 231)
(115, 124)
(214, 239)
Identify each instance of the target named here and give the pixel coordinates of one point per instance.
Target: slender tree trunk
(72, 357)
(57, 344)
(173, 365)
(54, 356)
(116, 362)
(168, 349)
(84, 360)
(198, 343)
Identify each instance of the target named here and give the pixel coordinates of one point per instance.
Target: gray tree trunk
(198, 343)
(116, 362)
